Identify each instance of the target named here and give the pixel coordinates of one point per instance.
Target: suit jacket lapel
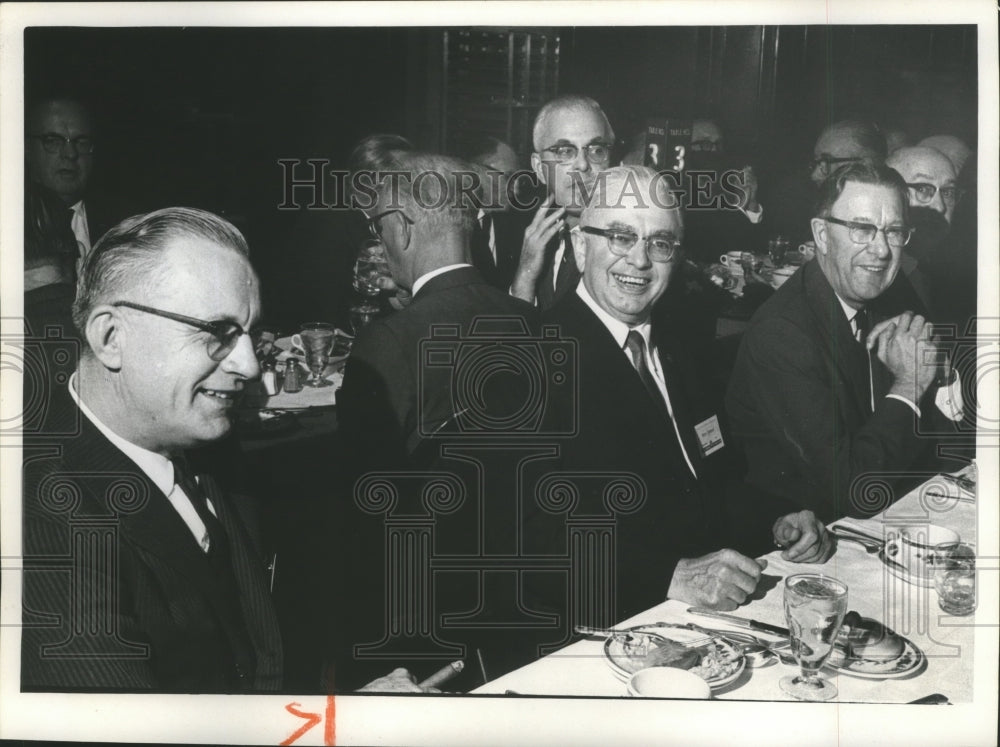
(679, 401)
(848, 355)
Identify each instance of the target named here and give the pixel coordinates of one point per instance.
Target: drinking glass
(955, 577)
(317, 343)
(815, 606)
(370, 266)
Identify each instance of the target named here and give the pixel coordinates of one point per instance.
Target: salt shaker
(293, 376)
(269, 378)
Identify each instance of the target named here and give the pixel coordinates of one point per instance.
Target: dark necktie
(567, 266)
(218, 548)
(862, 325)
(482, 257)
(636, 345)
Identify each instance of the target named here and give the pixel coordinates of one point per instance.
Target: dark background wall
(201, 116)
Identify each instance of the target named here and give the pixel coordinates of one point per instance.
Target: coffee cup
(807, 250)
(734, 260)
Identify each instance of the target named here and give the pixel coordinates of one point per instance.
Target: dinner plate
(724, 662)
(909, 662)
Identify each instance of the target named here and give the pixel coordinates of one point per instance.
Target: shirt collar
(618, 329)
(849, 311)
(157, 467)
(422, 280)
(79, 208)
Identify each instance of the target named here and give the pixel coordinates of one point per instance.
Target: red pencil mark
(329, 730)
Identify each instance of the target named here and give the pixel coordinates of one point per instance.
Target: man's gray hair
(432, 189)
(127, 259)
(571, 101)
(649, 188)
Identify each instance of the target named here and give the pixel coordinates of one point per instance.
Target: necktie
(218, 547)
(482, 257)
(567, 266)
(862, 326)
(636, 345)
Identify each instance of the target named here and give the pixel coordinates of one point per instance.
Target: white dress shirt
(156, 467)
(422, 280)
(78, 223)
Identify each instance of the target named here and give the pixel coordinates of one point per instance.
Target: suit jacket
(508, 236)
(798, 399)
(134, 607)
(391, 398)
(622, 431)
(544, 292)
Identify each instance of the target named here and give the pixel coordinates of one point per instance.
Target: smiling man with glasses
(833, 386)
(644, 412)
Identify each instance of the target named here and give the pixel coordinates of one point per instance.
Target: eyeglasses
(826, 163)
(374, 226)
(659, 248)
(925, 192)
(598, 153)
(53, 142)
(864, 233)
(705, 146)
(226, 333)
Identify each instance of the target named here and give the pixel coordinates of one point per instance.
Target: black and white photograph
(507, 372)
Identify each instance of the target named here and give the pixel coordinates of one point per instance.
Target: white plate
(909, 662)
(728, 656)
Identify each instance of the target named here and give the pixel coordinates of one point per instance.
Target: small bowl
(668, 682)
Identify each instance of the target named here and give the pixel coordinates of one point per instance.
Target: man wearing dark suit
(398, 404)
(140, 575)
(382, 402)
(829, 412)
(59, 156)
(572, 139)
(162, 587)
(642, 412)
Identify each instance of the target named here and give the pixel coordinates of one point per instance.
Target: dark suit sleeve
(59, 651)
(373, 404)
(789, 384)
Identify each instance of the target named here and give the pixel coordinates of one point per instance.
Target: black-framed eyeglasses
(827, 163)
(53, 142)
(864, 233)
(659, 248)
(599, 153)
(225, 333)
(925, 192)
(374, 223)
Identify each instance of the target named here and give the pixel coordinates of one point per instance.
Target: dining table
(939, 646)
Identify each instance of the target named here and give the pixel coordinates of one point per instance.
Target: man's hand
(905, 346)
(749, 181)
(721, 580)
(537, 235)
(399, 680)
(803, 537)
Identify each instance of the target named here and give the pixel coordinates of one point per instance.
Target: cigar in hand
(444, 674)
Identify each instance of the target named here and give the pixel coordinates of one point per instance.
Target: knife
(741, 621)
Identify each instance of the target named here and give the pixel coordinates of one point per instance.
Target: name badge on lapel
(709, 435)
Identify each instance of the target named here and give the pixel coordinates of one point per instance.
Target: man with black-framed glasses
(572, 141)
(60, 151)
(687, 530)
(833, 393)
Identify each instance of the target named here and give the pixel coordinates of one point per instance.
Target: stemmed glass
(316, 340)
(370, 266)
(815, 606)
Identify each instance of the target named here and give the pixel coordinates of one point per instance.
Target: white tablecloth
(910, 610)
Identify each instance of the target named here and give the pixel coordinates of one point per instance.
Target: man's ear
(538, 167)
(104, 336)
(819, 230)
(579, 240)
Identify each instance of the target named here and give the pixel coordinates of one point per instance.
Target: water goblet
(815, 606)
(316, 340)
